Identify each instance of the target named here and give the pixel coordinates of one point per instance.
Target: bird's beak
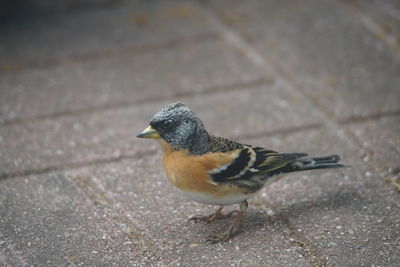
(149, 132)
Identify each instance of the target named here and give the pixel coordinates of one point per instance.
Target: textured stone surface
(45, 220)
(343, 213)
(101, 135)
(324, 51)
(382, 139)
(50, 34)
(336, 213)
(79, 79)
(385, 15)
(150, 202)
(123, 79)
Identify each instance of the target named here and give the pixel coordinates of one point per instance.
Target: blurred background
(80, 78)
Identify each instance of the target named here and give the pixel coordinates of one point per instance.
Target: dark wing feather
(253, 161)
(268, 160)
(235, 169)
(259, 162)
(270, 163)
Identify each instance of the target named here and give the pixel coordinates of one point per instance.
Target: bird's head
(179, 127)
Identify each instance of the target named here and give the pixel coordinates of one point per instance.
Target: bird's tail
(308, 163)
(294, 162)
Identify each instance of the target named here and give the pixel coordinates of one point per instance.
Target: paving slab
(78, 83)
(383, 17)
(348, 215)
(323, 50)
(381, 137)
(123, 80)
(48, 34)
(46, 220)
(350, 224)
(111, 133)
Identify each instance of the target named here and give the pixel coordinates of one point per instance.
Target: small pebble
(270, 212)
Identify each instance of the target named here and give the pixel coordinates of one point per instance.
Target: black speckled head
(181, 128)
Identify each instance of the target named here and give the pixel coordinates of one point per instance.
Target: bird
(217, 171)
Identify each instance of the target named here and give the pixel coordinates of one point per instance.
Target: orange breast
(190, 173)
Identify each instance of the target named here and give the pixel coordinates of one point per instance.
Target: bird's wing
(249, 161)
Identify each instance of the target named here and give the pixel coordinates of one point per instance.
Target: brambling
(214, 170)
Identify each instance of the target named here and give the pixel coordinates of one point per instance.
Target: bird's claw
(201, 218)
(219, 238)
(212, 217)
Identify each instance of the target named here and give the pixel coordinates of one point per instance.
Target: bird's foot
(229, 233)
(213, 216)
(220, 238)
(232, 228)
(201, 218)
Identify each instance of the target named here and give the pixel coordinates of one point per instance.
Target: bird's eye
(167, 123)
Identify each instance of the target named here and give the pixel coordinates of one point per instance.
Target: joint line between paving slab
(116, 216)
(75, 165)
(290, 235)
(306, 249)
(108, 53)
(375, 116)
(372, 26)
(121, 105)
(235, 38)
(231, 35)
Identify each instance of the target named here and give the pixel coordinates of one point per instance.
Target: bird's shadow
(333, 200)
(255, 220)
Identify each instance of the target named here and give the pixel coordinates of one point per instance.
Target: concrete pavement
(78, 80)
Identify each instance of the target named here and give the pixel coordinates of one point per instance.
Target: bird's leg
(233, 227)
(213, 216)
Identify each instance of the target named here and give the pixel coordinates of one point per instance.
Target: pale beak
(149, 132)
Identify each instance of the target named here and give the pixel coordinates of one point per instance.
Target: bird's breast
(185, 173)
(190, 173)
